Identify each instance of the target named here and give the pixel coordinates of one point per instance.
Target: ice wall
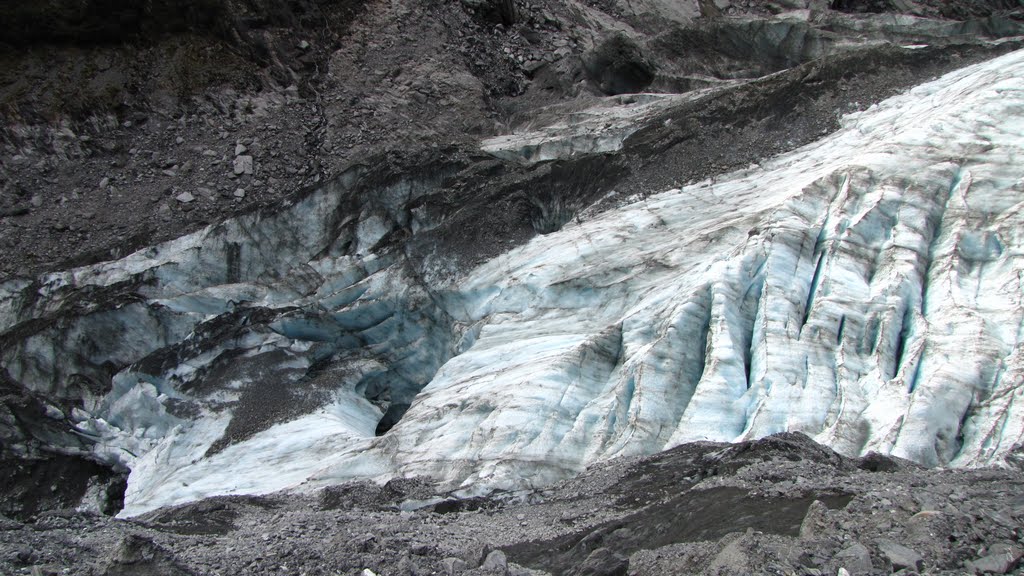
(865, 290)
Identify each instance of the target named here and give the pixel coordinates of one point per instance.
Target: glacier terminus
(865, 290)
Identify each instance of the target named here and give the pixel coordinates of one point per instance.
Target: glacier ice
(593, 130)
(866, 290)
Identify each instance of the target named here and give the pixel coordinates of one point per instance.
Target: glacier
(865, 290)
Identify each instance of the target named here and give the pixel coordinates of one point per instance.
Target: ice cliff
(866, 290)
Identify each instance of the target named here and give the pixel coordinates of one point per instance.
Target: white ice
(865, 290)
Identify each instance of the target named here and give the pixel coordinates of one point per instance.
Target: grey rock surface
(899, 555)
(652, 515)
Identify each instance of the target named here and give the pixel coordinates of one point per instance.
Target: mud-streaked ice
(865, 290)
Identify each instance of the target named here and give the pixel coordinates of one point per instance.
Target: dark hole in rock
(875, 462)
(465, 505)
(391, 417)
(58, 482)
(618, 66)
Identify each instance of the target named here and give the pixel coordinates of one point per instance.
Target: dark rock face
(502, 12)
(117, 21)
(108, 21)
(37, 479)
(875, 6)
(58, 482)
(692, 515)
(958, 10)
(618, 66)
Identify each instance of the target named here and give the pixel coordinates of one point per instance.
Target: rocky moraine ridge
(510, 287)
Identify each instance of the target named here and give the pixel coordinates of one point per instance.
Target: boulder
(243, 165)
(603, 562)
(139, 556)
(855, 559)
(900, 556)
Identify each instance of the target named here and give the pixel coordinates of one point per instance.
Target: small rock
(185, 197)
(532, 66)
(420, 549)
(139, 555)
(303, 45)
(495, 562)
(104, 182)
(920, 527)
(27, 556)
(6, 524)
(814, 520)
(603, 562)
(179, 140)
(239, 193)
(243, 165)
(365, 543)
(240, 149)
(992, 564)
(367, 572)
(900, 556)
(406, 567)
(1001, 559)
(855, 559)
(453, 566)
